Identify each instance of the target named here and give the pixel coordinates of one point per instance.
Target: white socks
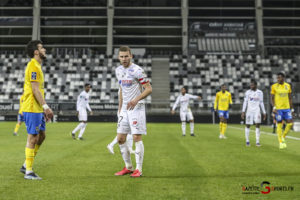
(78, 127)
(126, 155)
(114, 142)
(139, 155)
(183, 126)
(129, 141)
(247, 131)
(192, 127)
(257, 134)
(82, 130)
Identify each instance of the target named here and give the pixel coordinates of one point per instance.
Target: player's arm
(244, 105)
(195, 97)
(291, 103)
(216, 102)
(120, 100)
(273, 99)
(262, 106)
(89, 108)
(147, 91)
(175, 105)
(38, 96)
(77, 104)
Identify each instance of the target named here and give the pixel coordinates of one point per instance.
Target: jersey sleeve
(88, 106)
(245, 102)
(78, 102)
(193, 96)
(34, 73)
(230, 98)
(141, 76)
(273, 89)
(290, 89)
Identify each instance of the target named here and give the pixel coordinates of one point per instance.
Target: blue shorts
(35, 122)
(21, 118)
(284, 114)
(223, 113)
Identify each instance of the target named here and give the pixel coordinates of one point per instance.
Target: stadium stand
(65, 75)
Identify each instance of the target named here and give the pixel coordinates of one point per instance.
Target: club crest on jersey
(134, 122)
(33, 75)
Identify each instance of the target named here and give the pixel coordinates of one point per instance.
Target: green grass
(203, 167)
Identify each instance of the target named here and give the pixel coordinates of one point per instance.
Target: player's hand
(91, 113)
(131, 104)
(199, 98)
(48, 114)
(173, 112)
(265, 117)
(275, 111)
(243, 115)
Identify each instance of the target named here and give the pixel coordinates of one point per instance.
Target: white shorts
(132, 121)
(82, 116)
(186, 116)
(253, 118)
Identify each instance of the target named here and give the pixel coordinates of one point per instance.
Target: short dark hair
(125, 48)
(254, 82)
(185, 88)
(281, 74)
(32, 46)
(87, 84)
(223, 85)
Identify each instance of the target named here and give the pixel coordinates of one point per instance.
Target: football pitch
(175, 167)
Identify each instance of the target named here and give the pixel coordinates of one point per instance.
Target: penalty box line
(266, 133)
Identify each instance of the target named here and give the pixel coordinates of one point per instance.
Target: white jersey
(253, 101)
(184, 101)
(131, 80)
(83, 101)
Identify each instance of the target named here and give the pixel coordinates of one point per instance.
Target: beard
(43, 57)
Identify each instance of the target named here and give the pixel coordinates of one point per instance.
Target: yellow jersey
(33, 73)
(21, 102)
(222, 100)
(281, 93)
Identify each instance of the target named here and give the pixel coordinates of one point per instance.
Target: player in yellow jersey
(34, 107)
(20, 118)
(281, 100)
(222, 102)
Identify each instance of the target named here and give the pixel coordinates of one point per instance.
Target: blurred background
(198, 44)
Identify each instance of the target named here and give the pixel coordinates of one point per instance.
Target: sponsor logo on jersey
(33, 75)
(126, 83)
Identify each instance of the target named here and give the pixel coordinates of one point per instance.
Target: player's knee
(121, 139)
(137, 137)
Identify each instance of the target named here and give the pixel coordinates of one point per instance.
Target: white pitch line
(266, 133)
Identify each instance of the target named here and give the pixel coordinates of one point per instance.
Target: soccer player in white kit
(254, 104)
(185, 110)
(134, 87)
(82, 105)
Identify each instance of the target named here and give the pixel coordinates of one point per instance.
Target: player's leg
(129, 141)
(289, 123)
(32, 121)
(249, 122)
(224, 126)
(137, 121)
(279, 128)
(183, 122)
(257, 120)
(139, 155)
(82, 130)
(111, 145)
(122, 130)
(80, 125)
(191, 120)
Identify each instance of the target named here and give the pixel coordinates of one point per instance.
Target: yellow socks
(224, 127)
(36, 148)
(279, 131)
(221, 127)
(29, 154)
(17, 128)
(287, 129)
